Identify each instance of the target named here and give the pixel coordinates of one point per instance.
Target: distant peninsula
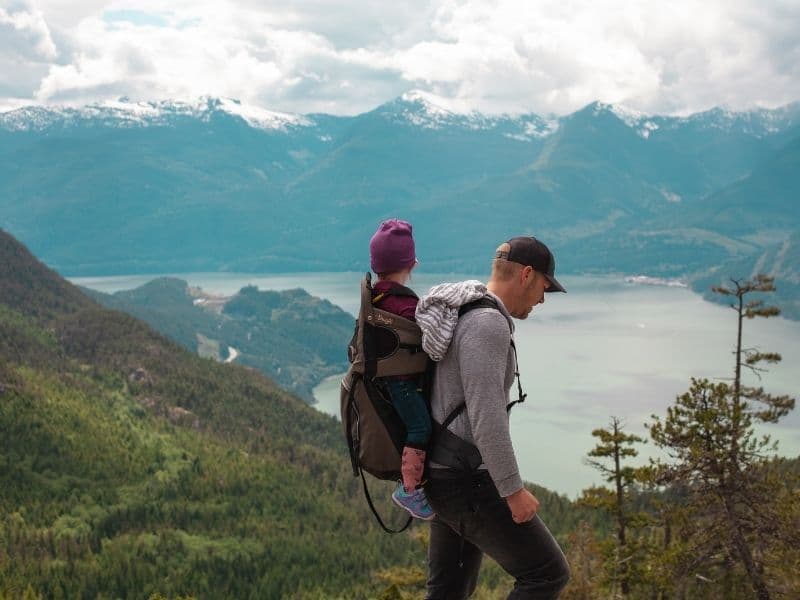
(292, 337)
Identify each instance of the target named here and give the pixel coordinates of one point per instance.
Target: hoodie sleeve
(483, 349)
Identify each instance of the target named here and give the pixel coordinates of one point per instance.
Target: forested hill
(292, 337)
(130, 466)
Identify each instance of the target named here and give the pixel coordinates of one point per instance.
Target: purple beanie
(391, 249)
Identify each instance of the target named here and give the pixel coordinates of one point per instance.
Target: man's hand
(523, 505)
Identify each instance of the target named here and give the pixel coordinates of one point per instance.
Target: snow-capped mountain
(172, 186)
(415, 108)
(759, 123)
(427, 111)
(127, 113)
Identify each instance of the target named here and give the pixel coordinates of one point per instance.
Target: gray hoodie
(478, 368)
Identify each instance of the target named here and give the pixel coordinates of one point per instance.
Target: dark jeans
(413, 410)
(527, 551)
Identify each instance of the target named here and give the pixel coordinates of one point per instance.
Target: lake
(605, 348)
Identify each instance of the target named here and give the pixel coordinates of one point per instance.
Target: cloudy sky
(348, 56)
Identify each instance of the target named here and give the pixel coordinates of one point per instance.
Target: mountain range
(127, 187)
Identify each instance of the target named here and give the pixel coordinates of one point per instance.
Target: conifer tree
(716, 456)
(615, 445)
(774, 407)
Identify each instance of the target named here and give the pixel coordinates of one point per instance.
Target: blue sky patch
(136, 17)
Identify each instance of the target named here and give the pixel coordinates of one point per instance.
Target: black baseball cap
(532, 253)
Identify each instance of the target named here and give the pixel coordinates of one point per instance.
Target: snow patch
(422, 109)
(232, 354)
(642, 123)
(646, 128)
(535, 129)
(541, 128)
(670, 196)
(630, 116)
(440, 105)
(261, 118)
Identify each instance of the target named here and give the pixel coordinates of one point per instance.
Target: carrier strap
(375, 512)
(452, 451)
(488, 302)
(351, 443)
(395, 290)
(370, 354)
(520, 394)
(483, 302)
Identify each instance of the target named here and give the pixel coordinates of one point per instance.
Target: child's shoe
(415, 503)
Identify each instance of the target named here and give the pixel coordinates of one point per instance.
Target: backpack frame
(383, 345)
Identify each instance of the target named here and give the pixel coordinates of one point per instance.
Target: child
(392, 257)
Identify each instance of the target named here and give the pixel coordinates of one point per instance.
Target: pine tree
(774, 407)
(716, 456)
(615, 445)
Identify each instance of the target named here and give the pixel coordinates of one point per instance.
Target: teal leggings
(413, 410)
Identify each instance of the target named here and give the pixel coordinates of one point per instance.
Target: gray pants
(472, 506)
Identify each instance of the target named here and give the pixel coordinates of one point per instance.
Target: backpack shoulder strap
(484, 302)
(395, 290)
(487, 302)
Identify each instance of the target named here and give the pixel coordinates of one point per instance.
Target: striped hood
(437, 313)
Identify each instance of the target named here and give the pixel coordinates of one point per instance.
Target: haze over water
(605, 348)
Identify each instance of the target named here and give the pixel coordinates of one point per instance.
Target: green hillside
(130, 466)
(292, 337)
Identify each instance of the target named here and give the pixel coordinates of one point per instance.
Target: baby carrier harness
(383, 345)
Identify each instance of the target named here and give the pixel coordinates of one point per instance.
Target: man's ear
(525, 274)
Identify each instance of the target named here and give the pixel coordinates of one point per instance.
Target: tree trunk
(743, 550)
(737, 379)
(624, 584)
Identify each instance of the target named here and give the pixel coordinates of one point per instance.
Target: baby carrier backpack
(383, 345)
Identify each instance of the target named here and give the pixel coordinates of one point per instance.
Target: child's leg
(412, 467)
(413, 410)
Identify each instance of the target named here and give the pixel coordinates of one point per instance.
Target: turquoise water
(605, 348)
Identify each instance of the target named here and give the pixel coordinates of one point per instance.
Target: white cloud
(26, 50)
(24, 32)
(347, 57)
(559, 56)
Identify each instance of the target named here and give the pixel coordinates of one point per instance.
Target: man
(474, 485)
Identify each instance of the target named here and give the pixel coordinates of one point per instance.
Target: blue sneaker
(416, 503)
